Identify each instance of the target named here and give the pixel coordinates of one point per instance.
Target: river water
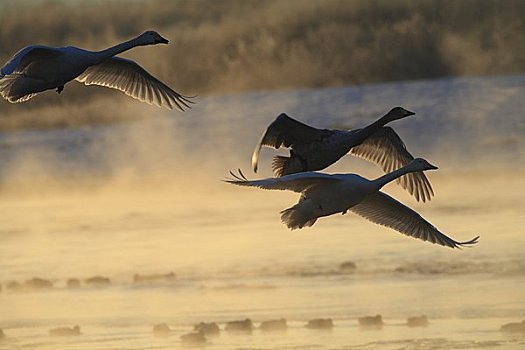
(146, 197)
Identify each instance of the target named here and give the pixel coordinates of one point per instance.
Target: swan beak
(161, 40)
(410, 113)
(432, 167)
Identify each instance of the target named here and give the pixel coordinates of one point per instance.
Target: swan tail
(295, 217)
(282, 166)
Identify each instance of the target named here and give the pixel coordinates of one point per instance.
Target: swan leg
(344, 212)
(60, 89)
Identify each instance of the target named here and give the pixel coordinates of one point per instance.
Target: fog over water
(146, 197)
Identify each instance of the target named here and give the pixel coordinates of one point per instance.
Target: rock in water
(240, 326)
(274, 325)
(371, 321)
(417, 321)
(320, 323)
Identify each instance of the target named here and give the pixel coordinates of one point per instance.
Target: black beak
(432, 167)
(410, 113)
(161, 40)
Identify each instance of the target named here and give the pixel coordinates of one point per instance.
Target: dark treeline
(237, 45)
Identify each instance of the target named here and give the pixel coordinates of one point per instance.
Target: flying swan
(314, 149)
(325, 195)
(39, 68)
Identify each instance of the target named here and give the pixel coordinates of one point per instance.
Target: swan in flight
(39, 68)
(314, 149)
(325, 194)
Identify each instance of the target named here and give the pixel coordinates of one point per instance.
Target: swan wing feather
(15, 84)
(27, 56)
(127, 76)
(386, 149)
(385, 210)
(13, 87)
(288, 132)
(300, 182)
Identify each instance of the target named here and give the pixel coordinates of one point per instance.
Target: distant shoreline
(234, 46)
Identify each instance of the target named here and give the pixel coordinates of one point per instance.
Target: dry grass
(237, 45)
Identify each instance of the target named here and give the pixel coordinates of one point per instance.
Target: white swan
(38, 68)
(324, 195)
(314, 149)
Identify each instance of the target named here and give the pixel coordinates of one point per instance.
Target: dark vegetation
(228, 46)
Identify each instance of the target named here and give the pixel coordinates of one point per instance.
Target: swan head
(151, 38)
(398, 113)
(421, 164)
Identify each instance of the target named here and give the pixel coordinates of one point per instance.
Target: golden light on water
(96, 185)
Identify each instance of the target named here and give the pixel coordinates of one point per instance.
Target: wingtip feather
(470, 242)
(236, 178)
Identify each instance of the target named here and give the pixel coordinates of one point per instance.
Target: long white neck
(115, 50)
(383, 180)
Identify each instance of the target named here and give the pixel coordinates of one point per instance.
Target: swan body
(38, 68)
(313, 149)
(326, 194)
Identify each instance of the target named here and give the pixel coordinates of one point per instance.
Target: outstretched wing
(385, 210)
(16, 85)
(299, 182)
(386, 149)
(130, 78)
(26, 56)
(287, 132)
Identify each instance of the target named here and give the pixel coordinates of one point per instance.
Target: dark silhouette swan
(39, 68)
(314, 149)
